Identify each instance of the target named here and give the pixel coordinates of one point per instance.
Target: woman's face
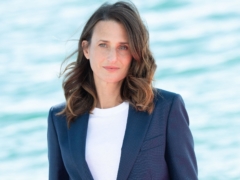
(108, 52)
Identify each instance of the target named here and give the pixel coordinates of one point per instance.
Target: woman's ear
(85, 49)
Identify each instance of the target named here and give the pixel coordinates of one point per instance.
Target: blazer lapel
(77, 141)
(137, 125)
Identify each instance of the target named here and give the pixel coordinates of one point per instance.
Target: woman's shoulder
(165, 97)
(58, 107)
(164, 94)
(57, 119)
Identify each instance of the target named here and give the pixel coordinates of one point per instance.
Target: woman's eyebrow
(123, 43)
(103, 40)
(108, 41)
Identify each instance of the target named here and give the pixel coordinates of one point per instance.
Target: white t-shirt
(106, 129)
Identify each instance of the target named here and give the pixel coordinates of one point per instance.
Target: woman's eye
(102, 45)
(123, 47)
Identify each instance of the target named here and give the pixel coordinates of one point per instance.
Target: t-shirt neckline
(110, 111)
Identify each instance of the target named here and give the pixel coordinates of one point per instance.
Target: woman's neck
(108, 94)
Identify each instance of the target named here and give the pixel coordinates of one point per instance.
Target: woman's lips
(111, 68)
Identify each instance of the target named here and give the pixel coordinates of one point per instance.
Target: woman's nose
(112, 56)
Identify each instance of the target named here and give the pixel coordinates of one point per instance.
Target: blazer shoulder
(165, 95)
(54, 110)
(58, 107)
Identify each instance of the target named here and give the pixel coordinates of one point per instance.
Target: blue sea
(196, 44)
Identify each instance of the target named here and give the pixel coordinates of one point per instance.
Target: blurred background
(196, 44)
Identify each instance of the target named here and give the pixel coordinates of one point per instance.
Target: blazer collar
(137, 125)
(77, 141)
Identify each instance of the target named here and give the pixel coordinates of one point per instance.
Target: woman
(114, 124)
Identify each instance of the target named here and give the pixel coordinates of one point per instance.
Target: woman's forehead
(109, 30)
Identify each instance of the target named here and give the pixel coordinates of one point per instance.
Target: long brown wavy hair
(78, 83)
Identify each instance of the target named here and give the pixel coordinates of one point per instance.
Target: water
(197, 48)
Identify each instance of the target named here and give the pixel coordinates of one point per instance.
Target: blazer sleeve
(180, 154)
(57, 169)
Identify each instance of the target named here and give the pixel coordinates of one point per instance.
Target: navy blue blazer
(157, 146)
